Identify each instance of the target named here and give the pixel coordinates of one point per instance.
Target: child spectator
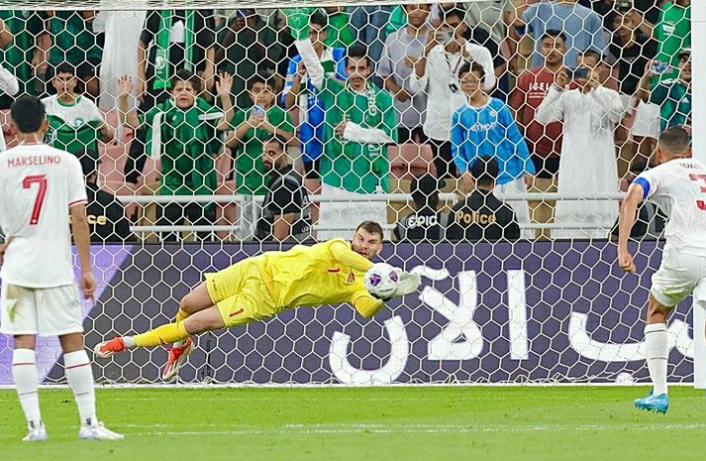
(182, 132)
(251, 128)
(75, 122)
(484, 126)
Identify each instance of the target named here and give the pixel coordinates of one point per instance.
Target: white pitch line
(353, 429)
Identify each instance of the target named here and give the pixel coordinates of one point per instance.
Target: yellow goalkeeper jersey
(325, 273)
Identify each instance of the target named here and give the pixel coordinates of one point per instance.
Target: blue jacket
(490, 130)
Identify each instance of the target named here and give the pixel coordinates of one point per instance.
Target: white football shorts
(40, 311)
(679, 275)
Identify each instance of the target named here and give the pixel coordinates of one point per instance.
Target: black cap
(89, 161)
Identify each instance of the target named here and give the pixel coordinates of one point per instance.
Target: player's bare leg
(79, 374)
(24, 372)
(657, 352)
(204, 320)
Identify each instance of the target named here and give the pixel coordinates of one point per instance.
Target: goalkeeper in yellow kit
(260, 287)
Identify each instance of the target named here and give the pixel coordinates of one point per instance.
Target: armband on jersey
(642, 182)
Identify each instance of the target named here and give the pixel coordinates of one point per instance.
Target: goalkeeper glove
(408, 283)
(298, 21)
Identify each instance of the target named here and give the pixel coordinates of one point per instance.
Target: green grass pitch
(368, 424)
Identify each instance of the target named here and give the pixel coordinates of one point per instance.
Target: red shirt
(532, 87)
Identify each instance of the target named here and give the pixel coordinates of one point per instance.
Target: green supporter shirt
(189, 144)
(673, 33)
(73, 127)
(674, 99)
(73, 40)
(355, 167)
(339, 33)
(17, 56)
(250, 177)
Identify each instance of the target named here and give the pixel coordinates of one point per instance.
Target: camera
(624, 4)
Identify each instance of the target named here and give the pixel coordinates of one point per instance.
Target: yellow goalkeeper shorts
(240, 293)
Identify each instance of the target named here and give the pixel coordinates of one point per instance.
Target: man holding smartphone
(436, 72)
(672, 96)
(588, 165)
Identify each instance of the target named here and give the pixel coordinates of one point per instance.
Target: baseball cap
(684, 52)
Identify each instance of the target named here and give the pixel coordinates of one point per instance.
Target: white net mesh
(562, 102)
(134, 5)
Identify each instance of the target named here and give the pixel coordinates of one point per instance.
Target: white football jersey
(678, 187)
(38, 184)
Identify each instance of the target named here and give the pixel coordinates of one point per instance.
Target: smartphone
(446, 36)
(578, 73)
(660, 67)
(258, 110)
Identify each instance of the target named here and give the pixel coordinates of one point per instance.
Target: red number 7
(39, 201)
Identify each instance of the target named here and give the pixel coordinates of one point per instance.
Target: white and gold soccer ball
(381, 280)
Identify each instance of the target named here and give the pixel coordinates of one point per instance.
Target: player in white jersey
(678, 187)
(39, 188)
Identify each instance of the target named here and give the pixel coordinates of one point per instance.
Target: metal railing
(444, 197)
(372, 198)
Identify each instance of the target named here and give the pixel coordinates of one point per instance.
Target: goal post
(698, 20)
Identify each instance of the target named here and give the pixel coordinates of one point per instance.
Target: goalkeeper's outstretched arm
(343, 253)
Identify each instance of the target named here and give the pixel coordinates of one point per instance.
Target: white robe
(588, 164)
(122, 34)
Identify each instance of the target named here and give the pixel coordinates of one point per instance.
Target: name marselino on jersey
(34, 160)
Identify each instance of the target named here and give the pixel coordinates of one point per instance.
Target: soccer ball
(381, 280)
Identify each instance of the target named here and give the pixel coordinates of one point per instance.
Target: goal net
(491, 139)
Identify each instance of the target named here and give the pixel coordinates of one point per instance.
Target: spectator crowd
(492, 100)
